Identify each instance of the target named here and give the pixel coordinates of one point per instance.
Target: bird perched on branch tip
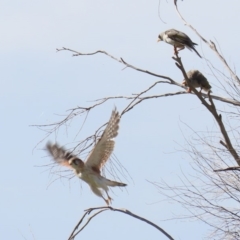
(178, 39)
(90, 170)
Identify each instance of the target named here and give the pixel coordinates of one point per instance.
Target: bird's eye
(76, 162)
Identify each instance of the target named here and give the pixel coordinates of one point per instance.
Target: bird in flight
(90, 170)
(197, 80)
(178, 39)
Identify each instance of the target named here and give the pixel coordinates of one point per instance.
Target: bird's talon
(189, 90)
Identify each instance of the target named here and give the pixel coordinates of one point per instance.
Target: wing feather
(180, 37)
(105, 146)
(60, 155)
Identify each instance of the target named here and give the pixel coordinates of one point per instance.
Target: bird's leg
(106, 200)
(189, 90)
(109, 198)
(180, 48)
(99, 193)
(175, 50)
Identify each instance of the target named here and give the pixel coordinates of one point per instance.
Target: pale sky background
(38, 86)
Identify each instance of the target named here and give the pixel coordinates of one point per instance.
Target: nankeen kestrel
(197, 80)
(90, 170)
(178, 39)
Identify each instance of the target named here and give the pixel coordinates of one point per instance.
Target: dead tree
(213, 194)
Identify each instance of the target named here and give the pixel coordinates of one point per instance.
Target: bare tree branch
(228, 169)
(219, 181)
(125, 211)
(212, 197)
(73, 234)
(211, 44)
(212, 109)
(170, 81)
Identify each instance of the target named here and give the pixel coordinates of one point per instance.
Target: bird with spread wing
(90, 170)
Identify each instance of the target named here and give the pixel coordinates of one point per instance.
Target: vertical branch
(212, 109)
(210, 43)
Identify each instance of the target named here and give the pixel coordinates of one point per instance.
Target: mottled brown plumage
(178, 39)
(197, 80)
(90, 170)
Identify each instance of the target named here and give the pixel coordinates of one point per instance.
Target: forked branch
(168, 79)
(211, 44)
(212, 109)
(102, 209)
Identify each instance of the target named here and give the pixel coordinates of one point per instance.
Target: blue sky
(39, 85)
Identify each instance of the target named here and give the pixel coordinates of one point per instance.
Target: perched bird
(178, 39)
(89, 171)
(197, 80)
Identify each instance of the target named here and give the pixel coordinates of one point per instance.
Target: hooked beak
(159, 40)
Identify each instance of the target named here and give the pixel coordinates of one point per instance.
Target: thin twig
(228, 169)
(73, 235)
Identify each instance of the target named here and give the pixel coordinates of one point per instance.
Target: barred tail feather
(115, 184)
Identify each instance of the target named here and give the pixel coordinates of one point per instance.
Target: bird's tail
(196, 52)
(115, 184)
(193, 48)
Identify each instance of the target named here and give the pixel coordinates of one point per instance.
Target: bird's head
(76, 163)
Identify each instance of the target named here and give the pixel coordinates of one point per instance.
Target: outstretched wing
(60, 155)
(104, 147)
